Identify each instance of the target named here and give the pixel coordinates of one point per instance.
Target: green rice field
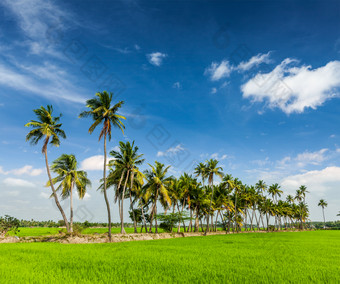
(283, 257)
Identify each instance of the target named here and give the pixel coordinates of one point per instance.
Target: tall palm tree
(275, 191)
(201, 170)
(103, 112)
(211, 170)
(48, 128)
(68, 176)
(157, 188)
(126, 161)
(323, 204)
(303, 191)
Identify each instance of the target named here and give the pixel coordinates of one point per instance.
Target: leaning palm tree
(323, 204)
(126, 161)
(211, 170)
(103, 112)
(157, 188)
(68, 177)
(47, 127)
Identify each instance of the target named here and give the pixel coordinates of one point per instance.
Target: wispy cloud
(218, 157)
(254, 61)
(35, 18)
(220, 70)
(177, 85)
(17, 182)
(25, 170)
(156, 58)
(171, 151)
(47, 81)
(213, 91)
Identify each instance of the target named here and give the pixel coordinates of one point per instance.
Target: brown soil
(103, 238)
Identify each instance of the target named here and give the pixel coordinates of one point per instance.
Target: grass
(289, 257)
(45, 231)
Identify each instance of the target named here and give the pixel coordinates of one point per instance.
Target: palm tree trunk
(71, 208)
(55, 193)
(229, 220)
(324, 220)
(216, 221)
(156, 225)
(105, 193)
(179, 223)
(196, 220)
(146, 229)
(133, 215)
(212, 194)
(236, 210)
(190, 224)
(122, 230)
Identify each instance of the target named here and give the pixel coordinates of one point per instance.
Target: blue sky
(254, 84)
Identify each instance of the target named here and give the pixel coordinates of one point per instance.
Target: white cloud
(292, 88)
(217, 71)
(303, 159)
(17, 182)
(254, 62)
(46, 81)
(156, 58)
(13, 193)
(218, 157)
(177, 85)
(171, 151)
(314, 158)
(44, 195)
(137, 47)
(316, 181)
(123, 50)
(94, 163)
(36, 18)
(28, 170)
(87, 196)
(36, 172)
(213, 91)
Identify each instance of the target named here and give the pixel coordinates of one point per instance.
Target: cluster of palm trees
(230, 203)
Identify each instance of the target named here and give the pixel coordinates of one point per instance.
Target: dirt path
(116, 238)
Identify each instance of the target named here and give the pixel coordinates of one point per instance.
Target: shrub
(8, 224)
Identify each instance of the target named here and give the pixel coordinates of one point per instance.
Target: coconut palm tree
(48, 128)
(102, 111)
(157, 188)
(211, 170)
(201, 171)
(323, 204)
(126, 162)
(68, 177)
(303, 191)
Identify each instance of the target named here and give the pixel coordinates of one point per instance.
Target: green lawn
(297, 257)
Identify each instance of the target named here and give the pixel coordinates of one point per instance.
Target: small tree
(8, 224)
(171, 220)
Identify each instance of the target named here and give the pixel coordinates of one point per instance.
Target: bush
(171, 220)
(77, 229)
(8, 224)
